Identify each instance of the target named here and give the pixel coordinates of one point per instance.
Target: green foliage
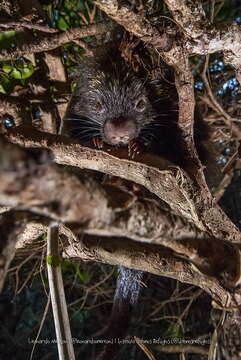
(62, 24)
(68, 266)
(42, 237)
(5, 85)
(15, 73)
(20, 69)
(174, 330)
(53, 260)
(73, 85)
(7, 38)
(74, 267)
(83, 275)
(68, 13)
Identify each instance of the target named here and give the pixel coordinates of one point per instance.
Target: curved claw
(134, 149)
(98, 142)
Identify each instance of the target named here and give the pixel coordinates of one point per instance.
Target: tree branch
(201, 37)
(204, 37)
(154, 259)
(171, 185)
(46, 189)
(52, 41)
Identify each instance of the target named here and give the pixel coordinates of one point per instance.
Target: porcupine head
(113, 104)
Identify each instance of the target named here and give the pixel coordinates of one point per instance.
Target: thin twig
(40, 327)
(18, 25)
(59, 307)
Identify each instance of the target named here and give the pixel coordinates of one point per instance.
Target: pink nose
(119, 130)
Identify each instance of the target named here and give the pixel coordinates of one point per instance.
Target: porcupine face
(110, 101)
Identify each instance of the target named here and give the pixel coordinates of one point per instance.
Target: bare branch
(156, 259)
(19, 25)
(45, 189)
(133, 22)
(207, 38)
(202, 37)
(50, 194)
(171, 185)
(52, 41)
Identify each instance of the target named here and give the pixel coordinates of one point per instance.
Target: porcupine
(112, 104)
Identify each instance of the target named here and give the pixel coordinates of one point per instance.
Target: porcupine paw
(97, 142)
(134, 149)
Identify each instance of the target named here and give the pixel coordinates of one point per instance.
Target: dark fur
(125, 301)
(108, 80)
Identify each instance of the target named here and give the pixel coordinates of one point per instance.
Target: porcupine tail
(125, 301)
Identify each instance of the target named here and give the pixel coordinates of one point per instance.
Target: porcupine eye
(140, 104)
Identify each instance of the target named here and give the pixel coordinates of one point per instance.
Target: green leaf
(42, 237)
(62, 24)
(73, 85)
(53, 260)
(23, 73)
(20, 70)
(2, 90)
(67, 265)
(83, 275)
(7, 68)
(88, 39)
(174, 330)
(5, 85)
(9, 34)
(6, 38)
